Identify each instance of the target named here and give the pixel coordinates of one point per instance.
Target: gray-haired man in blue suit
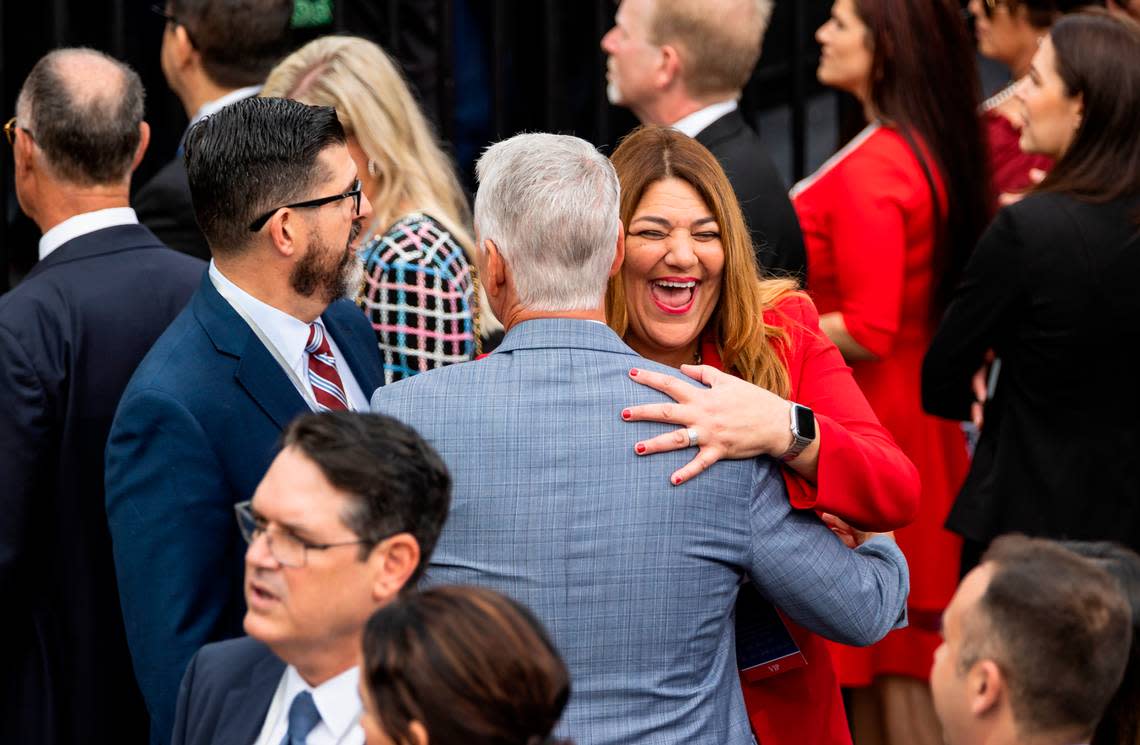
(635, 579)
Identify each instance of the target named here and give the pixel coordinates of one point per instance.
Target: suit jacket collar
(361, 354)
(563, 333)
(246, 704)
(727, 127)
(258, 372)
(115, 239)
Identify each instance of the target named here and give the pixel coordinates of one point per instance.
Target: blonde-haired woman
(420, 291)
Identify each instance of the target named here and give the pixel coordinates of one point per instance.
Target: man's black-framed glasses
(354, 192)
(173, 19)
(287, 549)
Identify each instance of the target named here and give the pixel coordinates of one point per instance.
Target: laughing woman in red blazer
(689, 295)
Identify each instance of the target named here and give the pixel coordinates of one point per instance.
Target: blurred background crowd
(913, 228)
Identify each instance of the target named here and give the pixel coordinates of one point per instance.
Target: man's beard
(319, 272)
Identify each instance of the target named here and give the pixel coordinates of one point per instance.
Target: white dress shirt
(88, 222)
(212, 107)
(289, 336)
(695, 123)
(337, 700)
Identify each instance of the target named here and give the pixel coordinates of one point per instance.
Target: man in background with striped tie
(267, 336)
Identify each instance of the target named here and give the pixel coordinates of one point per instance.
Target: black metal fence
(483, 70)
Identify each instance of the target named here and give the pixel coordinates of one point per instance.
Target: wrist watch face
(805, 422)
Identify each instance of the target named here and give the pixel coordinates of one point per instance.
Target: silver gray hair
(550, 203)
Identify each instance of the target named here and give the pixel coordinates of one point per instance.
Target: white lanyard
(301, 386)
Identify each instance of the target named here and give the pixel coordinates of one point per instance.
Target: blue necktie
(303, 719)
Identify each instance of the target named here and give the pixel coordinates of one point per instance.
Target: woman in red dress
(887, 222)
(689, 292)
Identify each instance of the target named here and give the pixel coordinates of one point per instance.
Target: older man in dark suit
(684, 63)
(267, 336)
(70, 336)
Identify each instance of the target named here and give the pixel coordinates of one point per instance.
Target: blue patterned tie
(303, 719)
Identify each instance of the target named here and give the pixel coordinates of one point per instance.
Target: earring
(373, 169)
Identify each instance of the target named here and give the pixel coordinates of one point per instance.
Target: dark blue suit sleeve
(852, 597)
(175, 541)
(25, 431)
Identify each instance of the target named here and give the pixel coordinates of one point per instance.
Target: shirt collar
(213, 107)
(337, 699)
(88, 222)
(694, 123)
(288, 334)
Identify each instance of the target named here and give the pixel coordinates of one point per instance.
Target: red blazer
(864, 479)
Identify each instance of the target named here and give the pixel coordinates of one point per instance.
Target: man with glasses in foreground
(71, 335)
(267, 336)
(345, 518)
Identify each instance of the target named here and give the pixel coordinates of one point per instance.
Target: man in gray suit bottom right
(635, 579)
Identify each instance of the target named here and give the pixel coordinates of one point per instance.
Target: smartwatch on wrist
(803, 431)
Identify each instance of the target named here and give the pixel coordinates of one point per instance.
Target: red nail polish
(633, 373)
(625, 414)
(640, 448)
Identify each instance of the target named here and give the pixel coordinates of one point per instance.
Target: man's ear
(25, 148)
(669, 68)
(144, 142)
(285, 229)
(619, 250)
(985, 685)
(494, 277)
(393, 562)
(184, 51)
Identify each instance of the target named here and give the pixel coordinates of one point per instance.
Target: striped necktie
(323, 377)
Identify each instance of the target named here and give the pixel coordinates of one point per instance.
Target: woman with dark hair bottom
(888, 222)
(1051, 289)
(460, 666)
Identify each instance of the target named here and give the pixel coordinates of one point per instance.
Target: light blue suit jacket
(635, 579)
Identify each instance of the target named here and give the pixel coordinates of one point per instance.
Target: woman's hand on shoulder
(731, 419)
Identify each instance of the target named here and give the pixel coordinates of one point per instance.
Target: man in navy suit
(684, 64)
(267, 336)
(346, 517)
(71, 334)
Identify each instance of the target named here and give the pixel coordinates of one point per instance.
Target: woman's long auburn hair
(923, 83)
(745, 342)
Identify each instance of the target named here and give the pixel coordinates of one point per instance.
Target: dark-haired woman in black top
(1053, 289)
